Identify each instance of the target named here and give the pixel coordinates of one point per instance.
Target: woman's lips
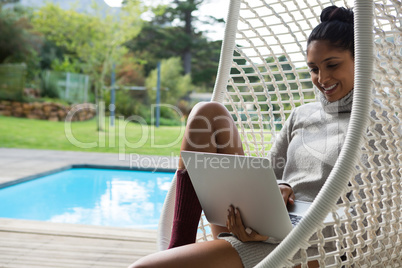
(331, 89)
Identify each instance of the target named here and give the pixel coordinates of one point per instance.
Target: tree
(51, 53)
(155, 43)
(183, 10)
(174, 85)
(161, 38)
(130, 71)
(205, 63)
(96, 41)
(18, 43)
(167, 16)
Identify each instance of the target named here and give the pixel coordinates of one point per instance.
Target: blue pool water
(122, 198)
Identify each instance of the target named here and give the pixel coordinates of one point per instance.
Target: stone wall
(47, 110)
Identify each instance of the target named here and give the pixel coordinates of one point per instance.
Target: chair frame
(345, 167)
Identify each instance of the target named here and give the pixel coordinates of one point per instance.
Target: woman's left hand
(235, 225)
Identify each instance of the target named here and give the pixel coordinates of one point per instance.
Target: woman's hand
(235, 225)
(287, 194)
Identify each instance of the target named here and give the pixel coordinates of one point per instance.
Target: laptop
(248, 183)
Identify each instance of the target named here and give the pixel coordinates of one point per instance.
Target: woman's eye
(314, 70)
(332, 65)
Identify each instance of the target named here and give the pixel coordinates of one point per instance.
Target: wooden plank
(37, 244)
(70, 244)
(48, 262)
(64, 229)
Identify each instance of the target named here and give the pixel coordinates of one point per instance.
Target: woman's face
(332, 69)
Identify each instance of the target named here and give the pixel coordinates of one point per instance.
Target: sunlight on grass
(125, 137)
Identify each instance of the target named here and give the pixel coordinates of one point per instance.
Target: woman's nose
(323, 77)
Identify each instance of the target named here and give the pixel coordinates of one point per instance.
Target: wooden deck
(41, 244)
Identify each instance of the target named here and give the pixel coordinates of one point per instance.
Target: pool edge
(52, 171)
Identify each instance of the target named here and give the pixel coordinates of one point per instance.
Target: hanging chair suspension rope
(228, 44)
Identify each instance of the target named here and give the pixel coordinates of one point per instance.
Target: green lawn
(125, 137)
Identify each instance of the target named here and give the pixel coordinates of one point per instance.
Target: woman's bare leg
(210, 128)
(216, 253)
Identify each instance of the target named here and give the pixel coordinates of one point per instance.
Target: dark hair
(336, 27)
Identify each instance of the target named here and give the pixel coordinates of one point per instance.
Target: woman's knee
(209, 109)
(210, 115)
(210, 128)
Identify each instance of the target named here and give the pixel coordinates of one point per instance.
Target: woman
(210, 128)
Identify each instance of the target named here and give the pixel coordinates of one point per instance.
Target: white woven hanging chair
(260, 94)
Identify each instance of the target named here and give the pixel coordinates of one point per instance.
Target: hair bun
(337, 13)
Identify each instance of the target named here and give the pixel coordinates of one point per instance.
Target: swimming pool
(107, 197)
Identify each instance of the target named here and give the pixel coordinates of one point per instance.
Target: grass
(125, 137)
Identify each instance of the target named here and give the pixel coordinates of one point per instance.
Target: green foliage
(67, 65)
(66, 28)
(174, 85)
(130, 71)
(205, 62)
(169, 113)
(49, 53)
(171, 34)
(48, 86)
(94, 40)
(12, 81)
(156, 42)
(169, 122)
(53, 100)
(18, 43)
(179, 10)
(127, 104)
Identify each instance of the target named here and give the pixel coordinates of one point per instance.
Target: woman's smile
(328, 91)
(330, 88)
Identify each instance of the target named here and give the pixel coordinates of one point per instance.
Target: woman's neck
(343, 105)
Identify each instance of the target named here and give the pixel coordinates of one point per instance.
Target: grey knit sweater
(309, 144)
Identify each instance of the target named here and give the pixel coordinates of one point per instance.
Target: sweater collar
(343, 105)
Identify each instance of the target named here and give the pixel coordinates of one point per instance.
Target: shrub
(12, 81)
(48, 86)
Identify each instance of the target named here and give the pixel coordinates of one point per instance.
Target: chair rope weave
(263, 75)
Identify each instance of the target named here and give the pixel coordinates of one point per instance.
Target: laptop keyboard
(295, 219)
